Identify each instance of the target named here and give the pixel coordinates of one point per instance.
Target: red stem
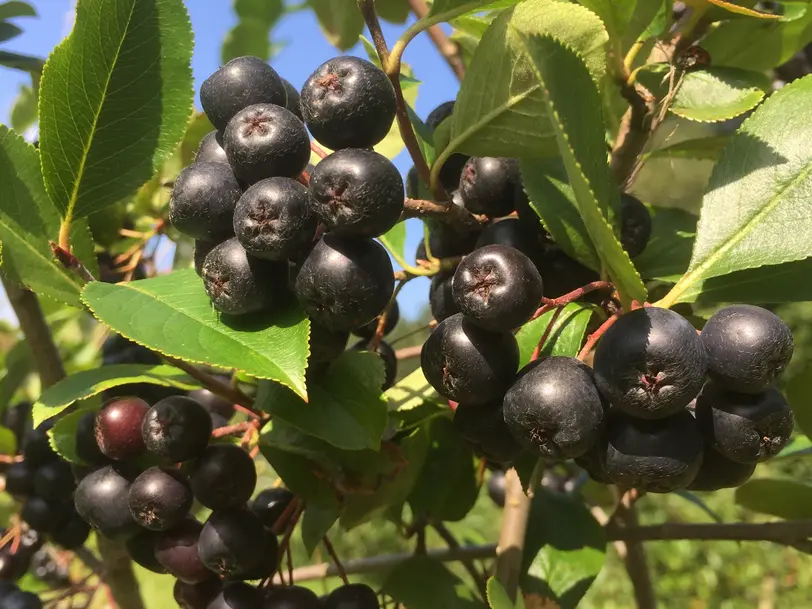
(318, 150)
(546, 335)
(596, 336)
(230, 429)
(332, 552)
(576, 294)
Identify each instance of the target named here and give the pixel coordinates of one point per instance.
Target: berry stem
(546, 335)
(289, 527)
(71, 262)
(379, 330)
(215, 386)
(332, 552)
(230, 429)
(448, 49)
(318, 150)
(596, 336)
(576, 294)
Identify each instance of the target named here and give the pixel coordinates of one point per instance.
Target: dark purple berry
(43, 515)
(54, 481)
(102, 501)
(196, 596)
(270, 504)
(73, 534)
(488, 185)
(483, 425)
(87, 449)
(20, 479)
(37, 447)
(211, 149)
(291, 597)
(160, 498)
(141, 549)
(719, 472)
(635, 225)
(293, 104)
(233, 542)
(177, 428)
(118, 428)
(326, 345)
(203, 201)
(237, 595)
(223, 477)
(392, 318)
(441, 298)
(176, 550)
(352, 596)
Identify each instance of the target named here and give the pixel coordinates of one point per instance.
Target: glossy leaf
(62, 436)
(700, 148)
(499, 110)
(668, 252)
(650, 18)
(251, 34)
(340, 21)
(782, 498)
(572, 104)
(424, 583)
(172, 314)
(345, 407)
(114, 101)
(16, 8)
(743, 10)
(754, 213)
(85, 384)
(394, 240)
(565, 338)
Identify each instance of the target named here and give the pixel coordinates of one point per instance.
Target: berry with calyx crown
(203, 201)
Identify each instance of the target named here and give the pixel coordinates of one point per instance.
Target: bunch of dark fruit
(265, 227)
(11, 597)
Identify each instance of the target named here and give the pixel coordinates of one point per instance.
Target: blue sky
(306, 48)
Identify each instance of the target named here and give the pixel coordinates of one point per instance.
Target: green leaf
(565, 549)
(114, 101)
(395, 240)
(565, 338)
(782, 498)
(85, 384)
(26, 63)
(615, 14)
(199, 126)
(172, 314)
(499, 109)
(447, 487)
(573, 106)
(698, 148)
(24, 110)
(28, 220)
(340, 20)
(8, 441)
(251, 35)
(395, 11)
(8, 31)
(497, 596)
(711, 94)
(754, 212)
(668, 252)
(797, 392)
(547, 186)
(316, 522)
(412, 400)
(62, 435)
(345, 407)
(19, 364)
(650, 18)
(468, 31)
(15, 8)
(424, 583)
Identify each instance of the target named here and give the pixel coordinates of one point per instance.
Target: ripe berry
(635, 225)
(223, 477)
(118, 427)
(348, 103)
(211, 149)
(239, 284)
(87, 448)
(718, 472)
(266, 141)
(270, 504)
(468, 364)
(514, 233)
(42, 515)
(267, 565)
(451, 171)
(13, 566)
(345, 282)
(72, 534)
(562, 274)
(203, 201)
(497, 287)
(233, 542)
(273, 219)
(651, 363)
(352, 596)
(37, 447)
(160, 498)
(54, 481)
(196, 596)
(238, 84)
(744, 427)
(592, 463)
(658, 456)
(22, 600)
(748, 348)
(390, 361)
(441, 298)
(488, 185)
(555, 408)
(497, 488)
(202, 249)
(101, 499)
(357, 192)
(176, 550)
(177, 428)
(237, 595)
(439, 114)
(213, 403)
(141, 549)
(294, 100)
(20, 479)
(483, 425)
(445, 241)
(291, 597)
(392, 318)
(326, 345)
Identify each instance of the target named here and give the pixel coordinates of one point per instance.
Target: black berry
(72, 534)
(651, 363)
(101, 499)
(54, 481)
(177, 428)
(497, 488)
(348, 103)
(270, 504)
(658, 456)
(291, 597)
(748, 348)
(294, 100)
(13, 566)
(445, 241)
(239, 284)
(357, 192)
(213, 403)
(468, 364)
(392, 318)
(37, 447)
(196, 596)
(118, 427)
(635, 225)
(352, 596)
(223, 477)
(497, 287)
(326, 345)
(22, 600)
(554, 408)
(390, 361)
(266, 141)
(176, 550)
(238, 84)
(237, 595)
(203, 201)
(273, 219)
(562, 274)
(141, 548)
(211, 149)
(202, 249)
(233, 542)
(514, 233)
(719, 472)
(42, 515)
(744, 427)
(160, 498)
(20, 479)
(87, 448)
(451, 171)
(441, 298)
(345, 282)
(483, 425)
(488, 185)
(439, 114)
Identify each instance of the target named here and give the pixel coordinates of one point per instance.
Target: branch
(212, 384)
(634, 132)
(786, 532)
(446, 212)
(409, 352)
(448, 49)
(636, 560)
(511, 538)
(118, 574)
(36, 331)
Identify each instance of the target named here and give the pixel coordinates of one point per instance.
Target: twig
(545, 336)
(332, 552)
(448, 49)
(633, 135)
(446, 212)
(409, 352)
(783, 532)
(511, 537)
(636, 561)
(212, 384)
(469, 565)
(71, 262)
(230, 429)
(320, 152)
(577, 293)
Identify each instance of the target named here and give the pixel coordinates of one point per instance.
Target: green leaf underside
(668, 252)
(28, 220)
(316, 522)
(16, 61)
(497, 596)
(755, 212)
(14, 8)
(797, 392)
(444, 10)
(8, 441)
(615, 14)
(85, 384)
(565, 338)
(499, 109)
(251, 34)
(395, 240)
(345, 408)
(424, 583)
(62, 436)
(340, 21)
(573, 105)
(782, 498)
(114, 101)
(172, 314)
